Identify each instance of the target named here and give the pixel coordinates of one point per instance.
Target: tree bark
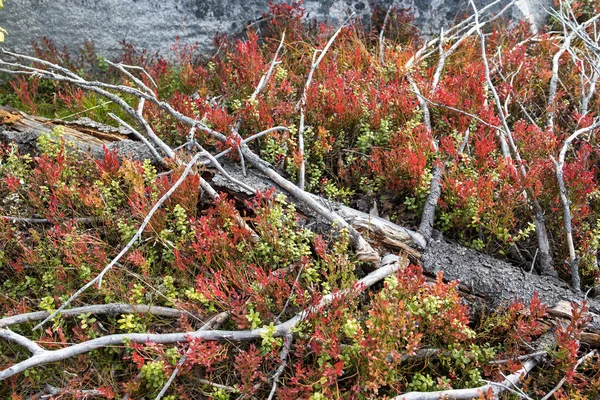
(490, 283)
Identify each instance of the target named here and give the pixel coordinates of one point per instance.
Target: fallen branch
(108, 309)
(389, 265)
(45, 221)
(134, 239)
(493, 388)
(564, 379)
(283, 355)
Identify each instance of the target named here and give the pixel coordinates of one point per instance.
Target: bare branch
(364, 251)
(45, 221)
(554, 79)
(575, 280)
(303, 99)
(265, 78)
(138, 82)
(283, 355)
(458, 110)
(22, 341)
(172, 377)
(110, 309)
(474, 393)
(79, 393)
(490, 84)
(564, 379)
(382, 36)
(389, 265)
(540, 224)
(138, 135)
(134, 239)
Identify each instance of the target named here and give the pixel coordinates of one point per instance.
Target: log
(488, 283)
(83, 135)
(498, 282)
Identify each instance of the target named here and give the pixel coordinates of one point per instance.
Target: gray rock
(154, 24)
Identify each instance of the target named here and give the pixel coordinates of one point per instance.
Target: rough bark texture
(154, 24)
(497, 282)
(489, 283)
(435, 190)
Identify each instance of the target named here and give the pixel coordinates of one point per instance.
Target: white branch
(389, 265)
(111, 309)
(575, 281)
(138, 135)
(265, 78)
(30, 345)
(564, 379)
(382, 36)
(473, 393)
(134, 239)
(303, 99)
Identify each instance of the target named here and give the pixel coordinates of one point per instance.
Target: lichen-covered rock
(154, 24)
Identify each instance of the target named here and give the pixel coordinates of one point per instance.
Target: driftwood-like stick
(109, 309)
(302, 104)
(573, 261)
(134, 239)
(389, 265)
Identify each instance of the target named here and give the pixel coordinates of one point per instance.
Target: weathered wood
(486, 282)
(498, 282)
(83, 134)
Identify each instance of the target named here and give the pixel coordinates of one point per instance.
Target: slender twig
(302, 104)
(45, 221)
(554, 79)
(505, 135)
(78, 393)
(212, 323)
(110, 309)
(564, 379)
(218, 166)
(490, 84)
(520, 358)
(265, 78)
(86, 110)
(458, 110)
(134, 239)
(138, 135)
(137, 81)
(172, 377)
(575, 280)
(382, 36)
(389, 265)
(283, 356)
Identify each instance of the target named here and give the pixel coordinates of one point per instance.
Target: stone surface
(154, 24)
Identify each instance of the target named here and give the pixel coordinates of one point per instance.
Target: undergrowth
(366, 142)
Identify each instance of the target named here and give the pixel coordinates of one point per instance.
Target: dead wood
(488, 282)
(83, 134)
